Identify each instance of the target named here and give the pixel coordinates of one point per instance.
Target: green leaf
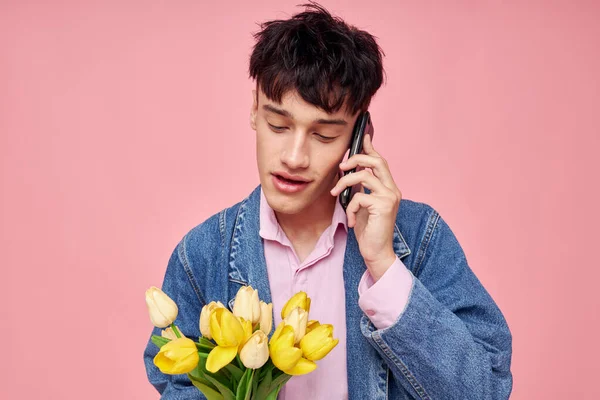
(159, 340)
(224, 390)
(239, 361)
(273, 395)
(264, 369)
(203, 349)
(207, 391)
(236, 372)
(264, 387)
(244, 389)
(276, 386)
(280, 380)
(198, 378)
(254, 384)
(199, 375)
(206, 343)
(223, 376)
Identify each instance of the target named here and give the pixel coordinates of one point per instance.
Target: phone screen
(362, 127)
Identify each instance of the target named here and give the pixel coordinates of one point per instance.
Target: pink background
(123, 125)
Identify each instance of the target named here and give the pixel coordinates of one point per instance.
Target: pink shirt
(320, 275)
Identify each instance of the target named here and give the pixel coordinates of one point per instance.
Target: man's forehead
(292, 98)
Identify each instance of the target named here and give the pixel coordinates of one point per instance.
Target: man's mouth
(289, 180)
(289, 183)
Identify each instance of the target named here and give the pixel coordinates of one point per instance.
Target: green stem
(177, 333)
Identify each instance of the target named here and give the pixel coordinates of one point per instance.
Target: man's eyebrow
(276, 110)
(332, 122)
(287, 114)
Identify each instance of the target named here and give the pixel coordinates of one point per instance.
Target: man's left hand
(373, 215)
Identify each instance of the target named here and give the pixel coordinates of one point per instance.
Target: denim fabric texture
(450, 342)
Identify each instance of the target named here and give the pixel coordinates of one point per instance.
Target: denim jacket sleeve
(451, 341)
(179, 285)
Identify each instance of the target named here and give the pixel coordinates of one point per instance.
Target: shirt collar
(270, 230)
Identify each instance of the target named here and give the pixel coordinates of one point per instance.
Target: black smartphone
(362, 127)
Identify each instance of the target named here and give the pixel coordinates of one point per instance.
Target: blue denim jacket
(450, 342)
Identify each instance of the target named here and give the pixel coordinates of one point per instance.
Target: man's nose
(295, 152)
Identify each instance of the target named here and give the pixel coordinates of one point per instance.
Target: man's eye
(325, 138)
(276, 128)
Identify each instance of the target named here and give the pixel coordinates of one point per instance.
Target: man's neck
(304, 229)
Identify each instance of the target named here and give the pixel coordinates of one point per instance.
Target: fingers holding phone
(372, 215)
(373, 161)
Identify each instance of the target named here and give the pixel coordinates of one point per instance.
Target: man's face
(298, 150)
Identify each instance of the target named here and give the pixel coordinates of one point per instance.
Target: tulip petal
(277, 332)
(266, 317)
(215, 326)
(233, 332)
(219, 357)
(302, 367)
(162, 309)
(318, 354)
(284, 340)
(204, 323)
(286, 358)
(186, 364)
(163, 362)
(297, 319)
(177, 357)
(312, 325)
(169, 334)
(247, 328)
(255, 307)
(255, 352)
(298, 300)
(317, 343)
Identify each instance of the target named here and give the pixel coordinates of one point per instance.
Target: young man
(412, 318)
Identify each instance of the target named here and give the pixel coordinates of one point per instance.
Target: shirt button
(370, 313)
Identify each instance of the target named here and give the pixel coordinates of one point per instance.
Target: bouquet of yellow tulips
(234, 359)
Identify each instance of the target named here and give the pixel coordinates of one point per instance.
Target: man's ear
(253, 110)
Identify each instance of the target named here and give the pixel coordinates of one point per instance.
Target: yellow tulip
(229, 334)
(205, 317)
(247, 327)
(300, 299)
(317, 343)
(297, 319)
(285, 356)
(281, 348)
(266, 317)
(169, 333)
(277, 332)
(179, 356)
(303, 367)
(255, 352)
(162, 309)
(312, 324)
(247, 305)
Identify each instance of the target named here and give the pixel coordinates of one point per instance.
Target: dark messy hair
(329, 63)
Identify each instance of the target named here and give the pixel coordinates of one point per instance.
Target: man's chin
(285, 204)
